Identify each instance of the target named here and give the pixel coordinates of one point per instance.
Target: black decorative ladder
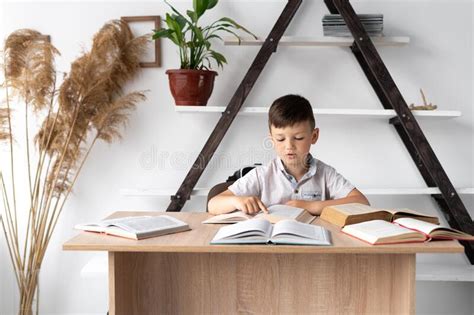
(388, 94)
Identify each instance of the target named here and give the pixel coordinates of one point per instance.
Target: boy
(294, 178)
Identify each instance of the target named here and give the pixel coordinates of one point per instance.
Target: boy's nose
(289, 144)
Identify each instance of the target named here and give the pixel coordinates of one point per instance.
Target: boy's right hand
(249, 204)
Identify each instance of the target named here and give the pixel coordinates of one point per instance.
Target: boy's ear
(315, 135)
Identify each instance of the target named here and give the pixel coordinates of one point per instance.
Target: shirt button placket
(295, 193)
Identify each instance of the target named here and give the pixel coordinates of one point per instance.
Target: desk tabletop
(197, 241)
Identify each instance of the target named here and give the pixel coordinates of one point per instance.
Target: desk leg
(112, 290)
(218, 283)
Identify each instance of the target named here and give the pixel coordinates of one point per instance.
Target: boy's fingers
(250, 208)
(255, 207)
(262, 206)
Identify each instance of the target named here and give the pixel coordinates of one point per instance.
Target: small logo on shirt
(311, 195)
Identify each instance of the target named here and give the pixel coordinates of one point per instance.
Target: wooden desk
(182, 274)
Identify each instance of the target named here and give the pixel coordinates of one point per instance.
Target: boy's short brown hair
(289, 110)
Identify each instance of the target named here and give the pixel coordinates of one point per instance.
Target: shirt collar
(311, 171)
(312, 165)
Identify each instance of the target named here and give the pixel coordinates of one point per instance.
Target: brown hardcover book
(352, 213)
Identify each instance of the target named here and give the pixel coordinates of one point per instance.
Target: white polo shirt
(274, 185)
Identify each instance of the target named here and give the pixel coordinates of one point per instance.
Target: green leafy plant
(194, 41)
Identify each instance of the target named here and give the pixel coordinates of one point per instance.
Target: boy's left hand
(310, 206)
(298, 203)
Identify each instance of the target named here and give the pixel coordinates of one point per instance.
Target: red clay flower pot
(191, 87)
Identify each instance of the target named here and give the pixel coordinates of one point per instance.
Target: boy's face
(292, 143)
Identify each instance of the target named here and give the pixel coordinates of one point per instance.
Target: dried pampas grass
(88, 106)
(4, 130)
(29, 60)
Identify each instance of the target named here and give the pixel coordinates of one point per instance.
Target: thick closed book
(138, 227)
(259, 231)
(402, 230)
(351, 213)
(275, 213)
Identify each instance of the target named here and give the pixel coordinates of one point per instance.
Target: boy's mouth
(290, 155)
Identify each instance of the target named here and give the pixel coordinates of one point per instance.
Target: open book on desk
(402, 230)
(351, 213)
(138, 227)
(275, 213)
(259, 231)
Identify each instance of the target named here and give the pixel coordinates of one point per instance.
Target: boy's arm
(226, 202)
(315, 207)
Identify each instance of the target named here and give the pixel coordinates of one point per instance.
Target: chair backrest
(217, 189)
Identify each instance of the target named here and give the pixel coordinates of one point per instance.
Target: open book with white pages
(275, 213)
(259, 231)
(402, 230)
(136, 227)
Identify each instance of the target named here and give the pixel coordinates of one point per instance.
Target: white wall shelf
(375, 113)
(321, 41)
(96, 266)
(148, 192)
(412, 191)
(441, 272)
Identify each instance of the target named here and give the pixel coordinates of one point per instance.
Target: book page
(289, 228)
(110, 222)
(374, 230)
(284, 211)
(249, 228)
(418, 225)
(101, 225)
(232, 217)
(408, 211)
(143, 224)
(277, 213)
(354, 208)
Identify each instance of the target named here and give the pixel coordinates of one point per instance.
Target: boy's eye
(299, 138)
(280, 140)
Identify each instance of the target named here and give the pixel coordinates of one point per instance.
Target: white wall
(160, 145)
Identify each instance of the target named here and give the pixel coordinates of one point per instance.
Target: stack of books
(334, 25)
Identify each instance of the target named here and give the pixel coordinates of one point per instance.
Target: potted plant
(192, 84)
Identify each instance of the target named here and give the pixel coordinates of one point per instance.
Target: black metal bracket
(236, 102)
(405, 123)
(390, 97)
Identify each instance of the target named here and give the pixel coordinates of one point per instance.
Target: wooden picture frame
(157, 25)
